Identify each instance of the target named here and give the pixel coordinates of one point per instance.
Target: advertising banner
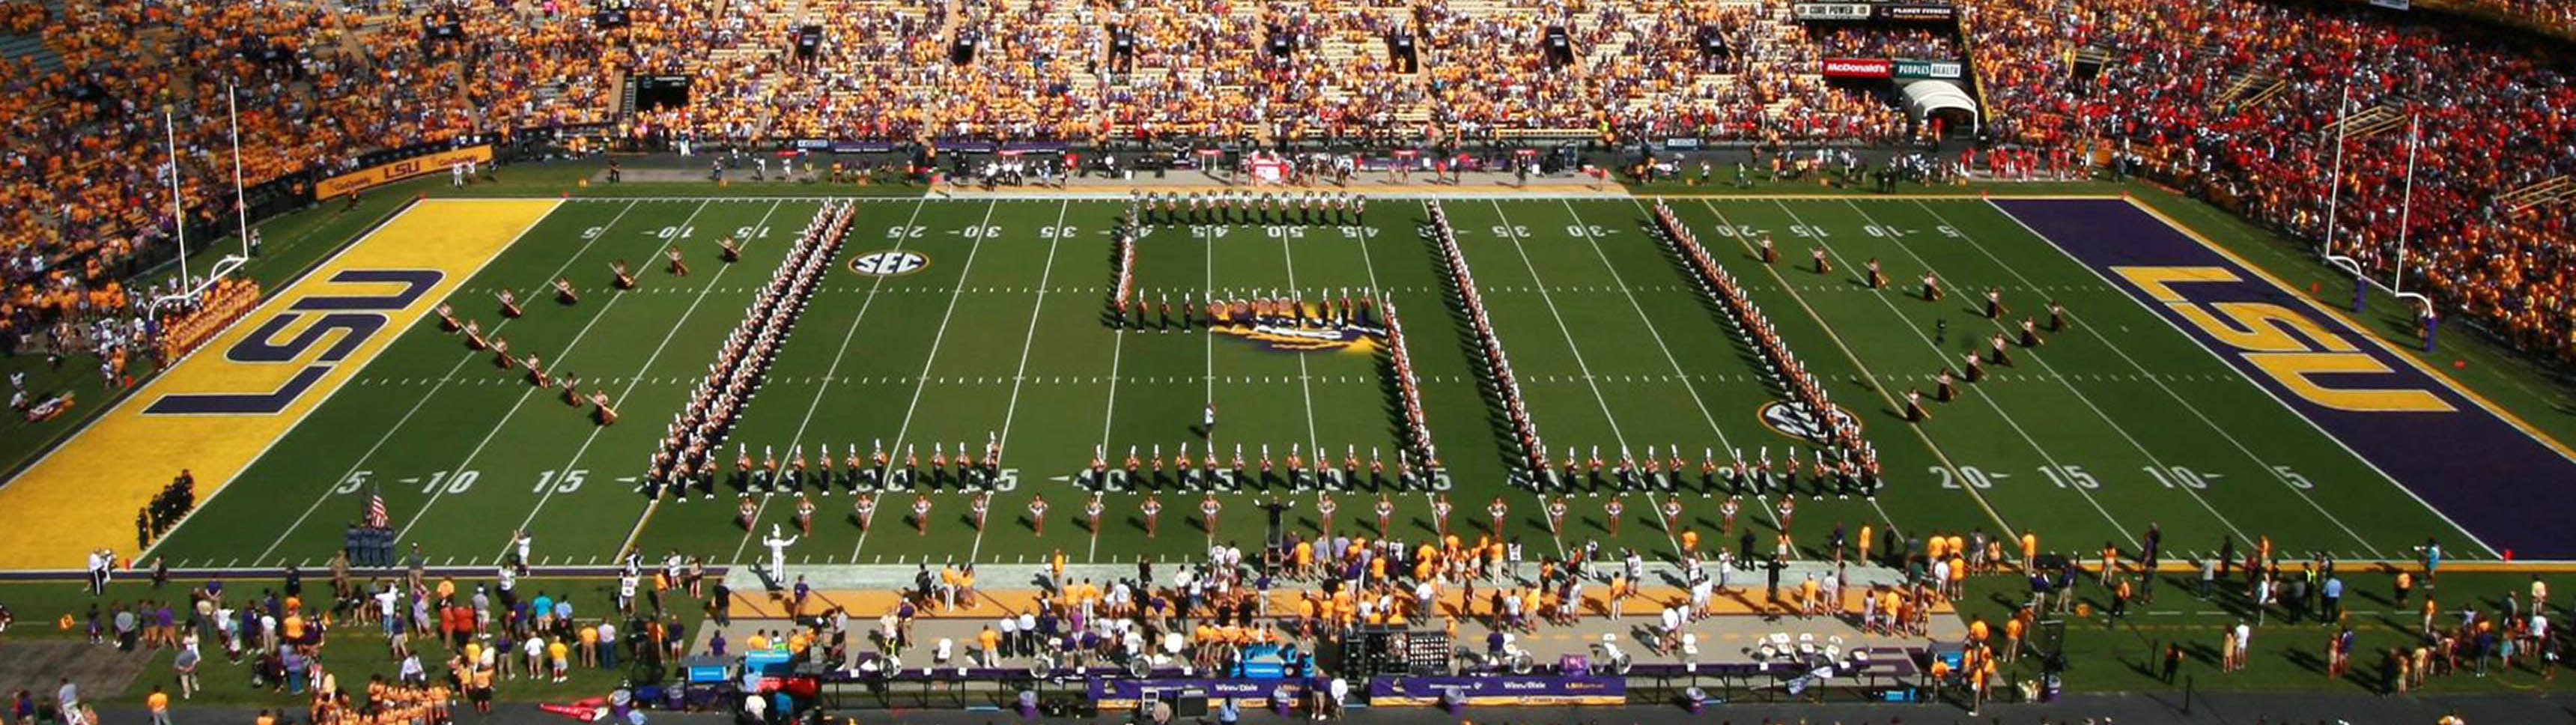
(387, 173)
(1121, 693)
(1858, 68)
(1917, 12)
(1500, 690)
(1832, 11)
(1948, 70)
(966, 146)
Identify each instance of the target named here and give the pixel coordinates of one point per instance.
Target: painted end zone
(2504, 484)
(220, 408)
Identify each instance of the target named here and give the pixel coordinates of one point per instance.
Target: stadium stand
(2232, 100)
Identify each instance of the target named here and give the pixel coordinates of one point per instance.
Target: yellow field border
(84, 494)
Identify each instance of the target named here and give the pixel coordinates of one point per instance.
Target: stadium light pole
(2406, 204)
(178, 221)
(241, 201)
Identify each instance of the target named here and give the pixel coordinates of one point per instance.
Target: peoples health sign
(1948, 70)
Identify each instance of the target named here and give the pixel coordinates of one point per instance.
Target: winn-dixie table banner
(1122, 693)
(1500, 690)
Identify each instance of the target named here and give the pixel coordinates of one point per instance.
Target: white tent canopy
(1922, 97)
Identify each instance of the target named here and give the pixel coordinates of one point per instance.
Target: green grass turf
(2126, 654)
(1002, 334)
(355, 651)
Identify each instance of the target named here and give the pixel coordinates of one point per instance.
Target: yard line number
(450, 481)
(2076, 477)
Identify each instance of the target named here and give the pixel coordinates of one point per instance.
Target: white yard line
(1110, 415)
(1028, 342)
(2168, 390)
(1314, 442)
(640, 370)
(1559, 316)
(1989, 400)
(432, 394)
(1577, 350)
(577, 337)
(922, 381)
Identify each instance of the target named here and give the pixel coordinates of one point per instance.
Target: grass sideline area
(354, 651)
(2107, 654)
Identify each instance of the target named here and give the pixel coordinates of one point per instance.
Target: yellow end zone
(221, 407)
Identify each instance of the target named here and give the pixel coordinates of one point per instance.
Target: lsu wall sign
(2498, 478)
(218, 409)
(387, 173)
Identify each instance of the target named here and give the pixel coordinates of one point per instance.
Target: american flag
(376, 516)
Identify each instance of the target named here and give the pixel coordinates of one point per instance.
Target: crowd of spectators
(2239, 102)
(321, 81)
(2552, 16)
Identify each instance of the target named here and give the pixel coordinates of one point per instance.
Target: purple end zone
(2508, 489)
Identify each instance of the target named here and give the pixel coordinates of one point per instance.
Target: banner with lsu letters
(221, 407)
(387, 173)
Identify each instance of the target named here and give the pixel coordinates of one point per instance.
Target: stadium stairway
(2545, 191)
(14, 47)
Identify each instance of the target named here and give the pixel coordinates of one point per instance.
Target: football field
(2186, 390)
